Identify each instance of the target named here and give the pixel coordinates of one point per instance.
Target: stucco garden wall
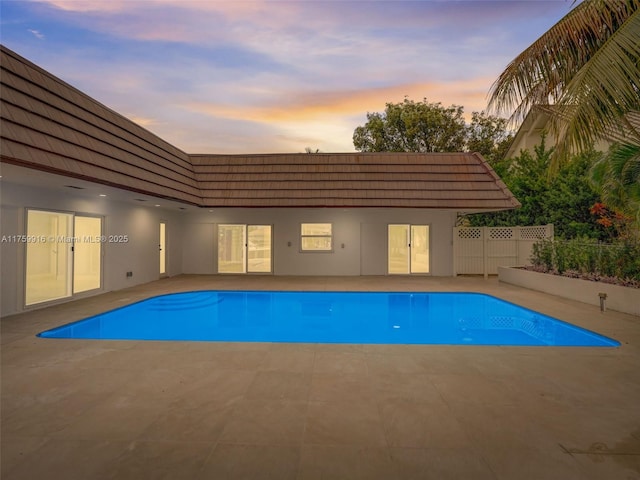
(621, 299)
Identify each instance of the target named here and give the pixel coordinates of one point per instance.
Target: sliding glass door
(408, 249)
(244, 248)
(63, 255)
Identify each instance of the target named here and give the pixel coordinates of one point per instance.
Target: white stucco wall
(359, 238)
(139, 255)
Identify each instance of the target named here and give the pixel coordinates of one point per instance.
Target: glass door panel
(419, 248)
(163, 250)
(48, 269)
(259, 248)
(231, 249)
(398, 249)
(87, 253)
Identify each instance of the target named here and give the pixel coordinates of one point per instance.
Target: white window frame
(315, 250)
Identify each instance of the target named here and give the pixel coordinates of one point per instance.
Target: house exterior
(92, 202)
(536, 125)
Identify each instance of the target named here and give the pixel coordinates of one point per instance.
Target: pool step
(176, 302)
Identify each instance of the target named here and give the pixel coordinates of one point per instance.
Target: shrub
(589, 258)
(543, 254)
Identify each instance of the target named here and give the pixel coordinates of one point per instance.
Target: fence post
(485, 252)
(456, 251)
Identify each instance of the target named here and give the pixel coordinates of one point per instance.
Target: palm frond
(540, 74)
(598, 98)
(617, 177)
(625, 163)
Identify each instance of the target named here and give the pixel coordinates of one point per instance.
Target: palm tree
(584, 72)
(617, 175)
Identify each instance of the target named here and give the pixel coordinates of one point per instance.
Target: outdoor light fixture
(603, 301)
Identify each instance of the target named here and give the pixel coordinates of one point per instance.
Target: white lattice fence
(481, 250)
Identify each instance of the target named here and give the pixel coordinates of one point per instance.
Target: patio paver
(102, 410)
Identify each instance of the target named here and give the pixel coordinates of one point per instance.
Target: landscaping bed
(591, 276)
(618, 297)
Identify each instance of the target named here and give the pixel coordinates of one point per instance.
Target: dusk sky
(273, 76)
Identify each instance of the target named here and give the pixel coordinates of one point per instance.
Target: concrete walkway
(76, 409)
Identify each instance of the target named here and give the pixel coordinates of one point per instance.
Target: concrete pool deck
(88, 409)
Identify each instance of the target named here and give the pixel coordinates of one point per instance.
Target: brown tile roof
(48, 125)
(437, 180)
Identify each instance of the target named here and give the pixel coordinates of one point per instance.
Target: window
(316, 237)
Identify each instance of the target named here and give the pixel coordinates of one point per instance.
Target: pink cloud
(301, 105)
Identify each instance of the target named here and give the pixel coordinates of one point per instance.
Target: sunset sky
(273, 76)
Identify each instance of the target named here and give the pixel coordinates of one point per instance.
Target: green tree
(429, 127)
(564, 200)
(412, 127)
(570, 197)
(489, 136)
(587, 67)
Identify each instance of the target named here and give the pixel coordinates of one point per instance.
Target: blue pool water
(331, 317)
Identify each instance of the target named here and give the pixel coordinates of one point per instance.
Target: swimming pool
(331, 317)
